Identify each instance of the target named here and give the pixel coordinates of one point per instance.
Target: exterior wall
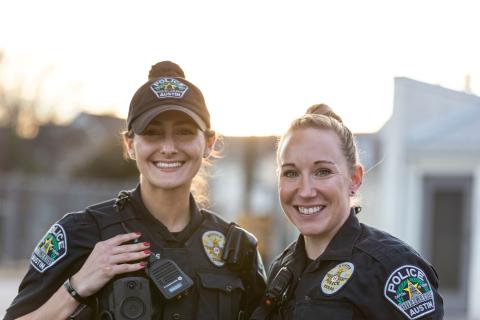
(424, 137)
(474, 276)
(392, 170)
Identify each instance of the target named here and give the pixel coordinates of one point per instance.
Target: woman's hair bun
(165, 69)
(325, 110)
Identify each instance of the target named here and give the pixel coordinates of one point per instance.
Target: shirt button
(176, 316)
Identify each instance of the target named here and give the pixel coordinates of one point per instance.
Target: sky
(259, 64)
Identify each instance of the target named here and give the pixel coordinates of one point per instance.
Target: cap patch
(409, 291)
(51, 249)
(168, 88)
(213, 243)
(337, 277)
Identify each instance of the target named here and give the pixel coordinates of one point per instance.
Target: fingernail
(138, 233)
(146, 244)
(147, 251)
(142, 264)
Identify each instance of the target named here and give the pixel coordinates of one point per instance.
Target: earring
(131, 153)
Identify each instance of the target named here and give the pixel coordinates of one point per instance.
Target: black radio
(168, 277)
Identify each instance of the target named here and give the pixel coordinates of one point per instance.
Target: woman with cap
(150, 253)
(338, 268)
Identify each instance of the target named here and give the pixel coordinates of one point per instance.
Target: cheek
(196, 148)
(285, 192)
(338, 186)
(141, 147)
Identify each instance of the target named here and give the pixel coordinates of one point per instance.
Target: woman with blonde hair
(338, 268)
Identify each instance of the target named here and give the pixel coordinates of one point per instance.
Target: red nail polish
(142, 264)
(147, 251)
(138, 233)
(146, 244)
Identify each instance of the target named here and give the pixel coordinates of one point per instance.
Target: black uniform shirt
(218, 292)
(363, 274)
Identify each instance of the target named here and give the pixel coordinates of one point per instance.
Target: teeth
(310, 210)
(168, 164)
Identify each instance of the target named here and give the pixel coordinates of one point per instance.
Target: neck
(315, 246)
(170, 207)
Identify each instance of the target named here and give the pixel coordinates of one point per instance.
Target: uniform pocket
(219, 295)
(324, 309)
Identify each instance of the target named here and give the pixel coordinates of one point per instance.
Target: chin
(311, 230)
(311, 233)
(166, 185)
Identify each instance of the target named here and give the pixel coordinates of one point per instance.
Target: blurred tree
(19, 105)
(108, 163)
(18, 122)
(89, 148)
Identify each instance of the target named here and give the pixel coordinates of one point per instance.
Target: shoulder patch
(408, 289)
(51, 249)
(214, 243)
(337, 277)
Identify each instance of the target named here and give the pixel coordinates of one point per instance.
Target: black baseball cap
(166, 89)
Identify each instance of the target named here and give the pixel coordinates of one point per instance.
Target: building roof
(432, 118)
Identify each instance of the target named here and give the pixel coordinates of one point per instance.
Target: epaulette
(104, 206)
(382, 246)
(214, 218)
(106, 213)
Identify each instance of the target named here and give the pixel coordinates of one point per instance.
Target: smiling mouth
(168, 165)
(308, 211)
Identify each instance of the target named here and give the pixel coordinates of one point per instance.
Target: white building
(424, 186)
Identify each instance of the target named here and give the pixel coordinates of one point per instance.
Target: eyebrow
(180, 122)
(316, 162)
(324, 161)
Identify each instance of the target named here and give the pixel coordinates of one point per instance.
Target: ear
(128, 143)
(356, 178)
(210, 143)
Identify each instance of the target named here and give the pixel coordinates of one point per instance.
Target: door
(447, 214)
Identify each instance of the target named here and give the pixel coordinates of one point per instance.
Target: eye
(290, 174)
(323, 172)
(186, 131)
(152, 132)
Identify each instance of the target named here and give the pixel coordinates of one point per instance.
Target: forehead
(174, 117)
(308, 145)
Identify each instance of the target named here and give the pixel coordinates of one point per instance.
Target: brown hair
(322, 116)
(200, 181)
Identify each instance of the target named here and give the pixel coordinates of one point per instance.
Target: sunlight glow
(258, 63)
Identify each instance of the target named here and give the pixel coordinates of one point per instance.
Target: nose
(168, 145)
(307, 188)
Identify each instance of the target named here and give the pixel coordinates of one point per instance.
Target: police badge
(213, 243)
(336, 278)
